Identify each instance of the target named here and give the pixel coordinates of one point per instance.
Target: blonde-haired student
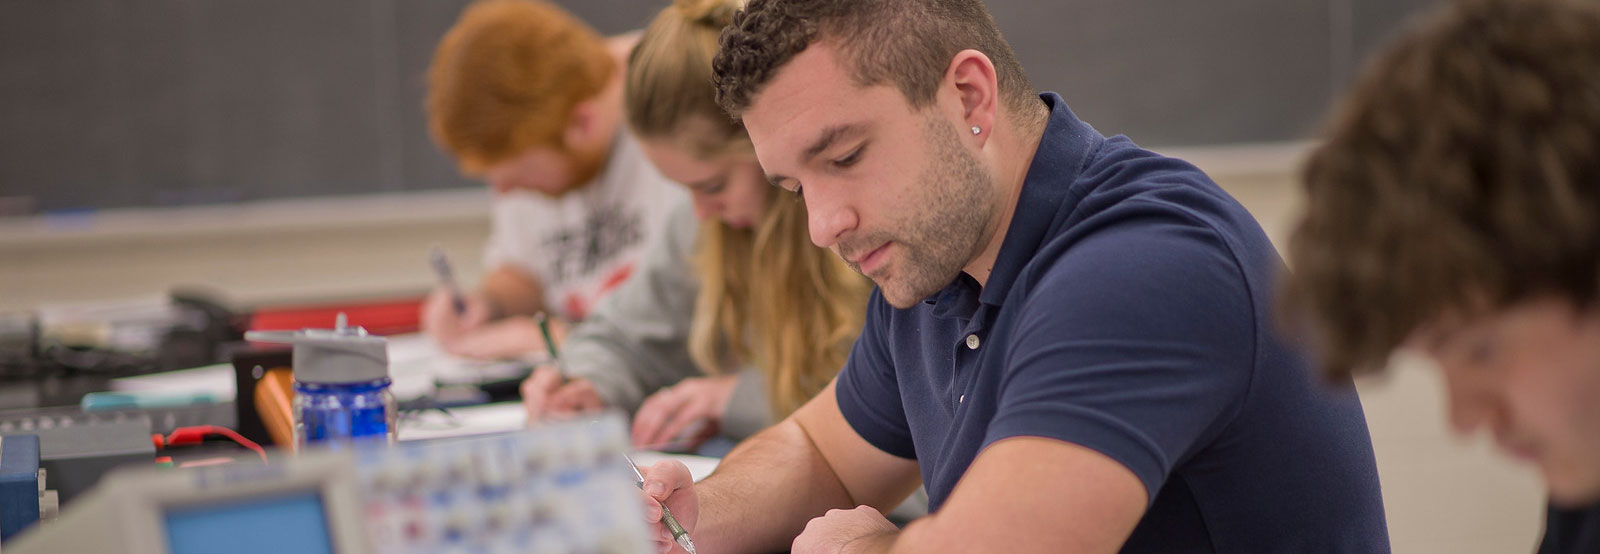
(735, 319)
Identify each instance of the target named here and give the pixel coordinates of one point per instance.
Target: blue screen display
(289, 523)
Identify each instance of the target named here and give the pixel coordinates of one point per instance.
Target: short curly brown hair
(1460, 176)
(907, 42)
(506, 77)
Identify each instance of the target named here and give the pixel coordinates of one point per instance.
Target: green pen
(678, 533)
(544, 330)
(550, 344)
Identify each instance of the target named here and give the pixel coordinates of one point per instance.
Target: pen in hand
(441, 269)
(544, 331)
(678, 533)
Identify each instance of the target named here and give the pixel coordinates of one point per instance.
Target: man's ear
(976, 86)
(582, 124)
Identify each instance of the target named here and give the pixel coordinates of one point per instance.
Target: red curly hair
(506, 77)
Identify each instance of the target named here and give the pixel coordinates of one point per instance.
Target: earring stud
(976, 130)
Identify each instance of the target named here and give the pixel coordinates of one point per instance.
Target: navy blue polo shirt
(1571, 530)
(1129, 312)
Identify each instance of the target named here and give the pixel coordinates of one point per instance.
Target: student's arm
(764, 492)
(1021, 495)
(635, 341)
(469, 331)
(480, 330)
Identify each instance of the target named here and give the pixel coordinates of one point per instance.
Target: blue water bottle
(341, 384)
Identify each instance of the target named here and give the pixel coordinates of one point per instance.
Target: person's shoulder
(1139, 246)
(1127, 170)
(1140, 192)
(630, 172)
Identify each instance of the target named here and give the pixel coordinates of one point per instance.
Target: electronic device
(160, 420)
(555, 488)
(21, 487)
(77, 447)
(77, 456)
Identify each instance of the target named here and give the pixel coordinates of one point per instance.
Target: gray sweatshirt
(636, 340)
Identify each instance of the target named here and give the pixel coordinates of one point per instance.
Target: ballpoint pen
(441, 268)
(678, 533)
(544, 331)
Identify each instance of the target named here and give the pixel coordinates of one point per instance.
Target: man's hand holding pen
(546, 394)
(444, 322)
(669, 483)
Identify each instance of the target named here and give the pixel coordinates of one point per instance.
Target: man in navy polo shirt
(1070, 343)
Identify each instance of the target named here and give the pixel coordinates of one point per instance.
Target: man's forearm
(763, 493)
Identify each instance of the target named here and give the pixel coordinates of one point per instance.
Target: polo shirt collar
(1066, 144)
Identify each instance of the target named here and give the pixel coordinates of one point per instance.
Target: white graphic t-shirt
(582, 245)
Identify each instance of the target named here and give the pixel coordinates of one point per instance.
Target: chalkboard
(108, 103)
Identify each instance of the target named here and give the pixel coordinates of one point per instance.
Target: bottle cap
(340, 355)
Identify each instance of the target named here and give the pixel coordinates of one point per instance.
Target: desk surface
(508, 416)
(416, 364)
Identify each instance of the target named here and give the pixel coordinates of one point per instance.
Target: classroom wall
(106, 103)
(1199, 73)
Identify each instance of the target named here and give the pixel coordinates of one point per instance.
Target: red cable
(198, 433)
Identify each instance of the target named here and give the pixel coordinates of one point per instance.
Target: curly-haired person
(1454, 211)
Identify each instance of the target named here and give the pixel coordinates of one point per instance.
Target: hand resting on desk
(676, 418)
(685, 414)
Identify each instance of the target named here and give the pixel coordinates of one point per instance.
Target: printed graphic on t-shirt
(580, 250)
(578, 246)
(577, 303)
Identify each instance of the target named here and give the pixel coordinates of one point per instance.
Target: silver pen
(678, 534)
(441, 269)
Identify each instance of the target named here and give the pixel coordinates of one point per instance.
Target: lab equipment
(341, 384)
(20, 484)
(553, 489)
(158, 420)
(75, 456)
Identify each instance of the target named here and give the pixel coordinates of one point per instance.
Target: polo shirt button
(972, 342)
(962, 399)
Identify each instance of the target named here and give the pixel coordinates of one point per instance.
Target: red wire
(198, 433)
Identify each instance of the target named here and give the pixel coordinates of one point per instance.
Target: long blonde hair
(767, 295)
